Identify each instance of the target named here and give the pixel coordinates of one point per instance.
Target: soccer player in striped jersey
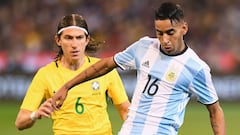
(169, 72)
(84, 111)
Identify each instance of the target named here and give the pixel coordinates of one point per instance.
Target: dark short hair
(170, 11)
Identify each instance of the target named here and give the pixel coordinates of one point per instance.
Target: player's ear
(185, 28)
(88, 39)
(57, 40)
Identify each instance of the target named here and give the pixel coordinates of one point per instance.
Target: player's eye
(68, 37)
(159, 33)
(80, 37)
(170, 32)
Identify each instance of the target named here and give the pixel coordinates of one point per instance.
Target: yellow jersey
(84, 111)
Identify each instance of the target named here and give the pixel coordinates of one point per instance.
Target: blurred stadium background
(27, 31)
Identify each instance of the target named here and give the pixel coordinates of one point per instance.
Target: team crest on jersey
(172, 74)
(95, 86)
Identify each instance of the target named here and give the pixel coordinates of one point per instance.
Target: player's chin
(75, 57)
(168, 51)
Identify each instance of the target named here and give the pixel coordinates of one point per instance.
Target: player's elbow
(18, 125)
(21, 125)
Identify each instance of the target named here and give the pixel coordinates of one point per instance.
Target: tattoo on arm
(94, 68)
(85, 73)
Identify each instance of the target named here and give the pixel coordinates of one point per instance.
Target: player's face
(73, 42)
(171, 35)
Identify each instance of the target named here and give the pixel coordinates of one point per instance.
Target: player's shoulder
(197, 59)
(92, 60)
(149, 42)
(48, 67)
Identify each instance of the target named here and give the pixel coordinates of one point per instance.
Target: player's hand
(58, 98)
(45, 109)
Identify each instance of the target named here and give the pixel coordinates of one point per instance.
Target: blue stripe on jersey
(201, 89)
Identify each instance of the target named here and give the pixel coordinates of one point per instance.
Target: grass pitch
(196, 120)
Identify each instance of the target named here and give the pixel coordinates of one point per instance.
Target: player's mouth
(167, 48)
(74, 53)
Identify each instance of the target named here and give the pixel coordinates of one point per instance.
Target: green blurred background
(196, 120)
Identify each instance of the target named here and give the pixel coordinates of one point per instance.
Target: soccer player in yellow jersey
(84, 110)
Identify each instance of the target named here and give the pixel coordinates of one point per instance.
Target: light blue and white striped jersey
(164, 87)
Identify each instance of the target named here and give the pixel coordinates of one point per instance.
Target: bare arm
(24, 120)
(217, 119)
(98, 69)
(123, 109)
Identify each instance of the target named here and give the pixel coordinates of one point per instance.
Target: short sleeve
(116, 88)
(203, 87)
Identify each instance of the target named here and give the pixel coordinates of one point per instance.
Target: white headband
(69, 27)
